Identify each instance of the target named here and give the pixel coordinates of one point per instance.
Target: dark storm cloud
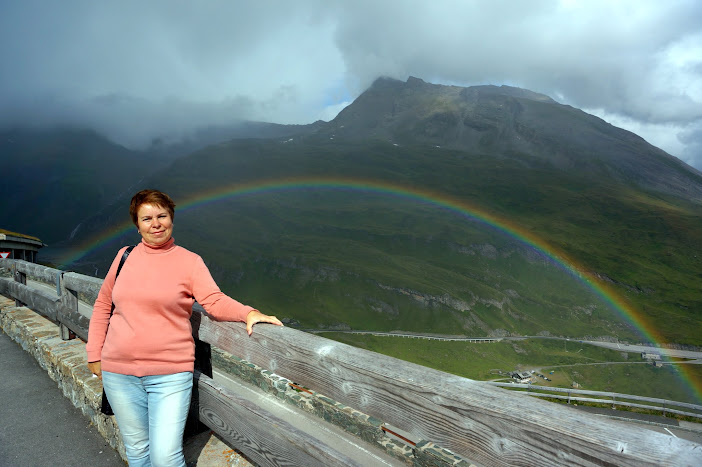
(629, 58)
(692, 151)
(636, 63)
(136, 70)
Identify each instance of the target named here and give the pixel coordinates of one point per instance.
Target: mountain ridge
(511, 122)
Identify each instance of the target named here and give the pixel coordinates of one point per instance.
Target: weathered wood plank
(44, 303)
(261, 436)
(86, 287)
(487, 425)
(37, 272)
(75, 321)
(7, 264)
(5, 284)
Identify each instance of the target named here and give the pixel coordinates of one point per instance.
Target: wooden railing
(434, 411)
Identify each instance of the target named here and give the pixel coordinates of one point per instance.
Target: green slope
(338, 258)
(55, 179)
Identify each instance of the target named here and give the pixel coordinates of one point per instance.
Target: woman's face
(155, 224)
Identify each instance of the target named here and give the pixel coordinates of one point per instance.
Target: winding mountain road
(696, 357)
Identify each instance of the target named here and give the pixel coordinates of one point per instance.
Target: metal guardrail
(450, 419)
(615, 399)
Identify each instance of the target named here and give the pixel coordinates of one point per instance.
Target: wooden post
(66, 334)
(22, 279)
(70, 302)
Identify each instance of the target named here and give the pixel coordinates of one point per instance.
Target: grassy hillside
(593, 368)
(334, 258)
(55, 179)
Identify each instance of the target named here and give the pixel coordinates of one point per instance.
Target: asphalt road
(642, 348)
(39, 425)
(668, 426)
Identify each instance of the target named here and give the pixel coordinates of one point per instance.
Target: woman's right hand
(95, 368)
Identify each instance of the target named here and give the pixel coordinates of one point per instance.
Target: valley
(486, 211)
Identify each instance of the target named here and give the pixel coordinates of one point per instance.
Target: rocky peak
(507, 121)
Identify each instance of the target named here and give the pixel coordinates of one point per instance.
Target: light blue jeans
(151, 412)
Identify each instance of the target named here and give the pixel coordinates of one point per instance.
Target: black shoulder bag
(105, 407)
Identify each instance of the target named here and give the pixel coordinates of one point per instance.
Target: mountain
(56, 178)
(509, 122)
(364, 222)
(210, 135)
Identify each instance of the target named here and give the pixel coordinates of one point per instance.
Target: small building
(18, 246)
(521, 376)
(650, 356)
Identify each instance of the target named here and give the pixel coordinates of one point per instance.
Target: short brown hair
(155, 197)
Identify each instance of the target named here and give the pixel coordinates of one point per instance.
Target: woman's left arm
(221, 306)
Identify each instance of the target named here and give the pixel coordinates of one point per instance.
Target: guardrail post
(614, 403)
(66, 301)
(22, 279)
(69, 301)
(66, 334)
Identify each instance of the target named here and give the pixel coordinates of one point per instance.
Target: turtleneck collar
(158, 249)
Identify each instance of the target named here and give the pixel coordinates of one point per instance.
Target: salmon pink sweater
(149, 332)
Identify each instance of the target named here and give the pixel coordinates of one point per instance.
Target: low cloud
(139, 70)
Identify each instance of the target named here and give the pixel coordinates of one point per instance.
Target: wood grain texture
(5, 286)
(75, 321)
(485, 424)
(47, 304)
(37, 271)
(70, 316)
(262, 437)
(86, 287)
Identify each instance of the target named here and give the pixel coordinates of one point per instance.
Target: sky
(139, 70)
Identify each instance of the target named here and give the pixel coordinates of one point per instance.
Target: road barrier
(614, 399)
(440, 419)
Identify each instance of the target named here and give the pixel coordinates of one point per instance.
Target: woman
(145, 352)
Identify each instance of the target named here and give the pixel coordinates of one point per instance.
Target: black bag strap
(119, 268)
(124, 258)
(105, 407)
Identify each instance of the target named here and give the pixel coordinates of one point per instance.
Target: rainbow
(430, 198)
